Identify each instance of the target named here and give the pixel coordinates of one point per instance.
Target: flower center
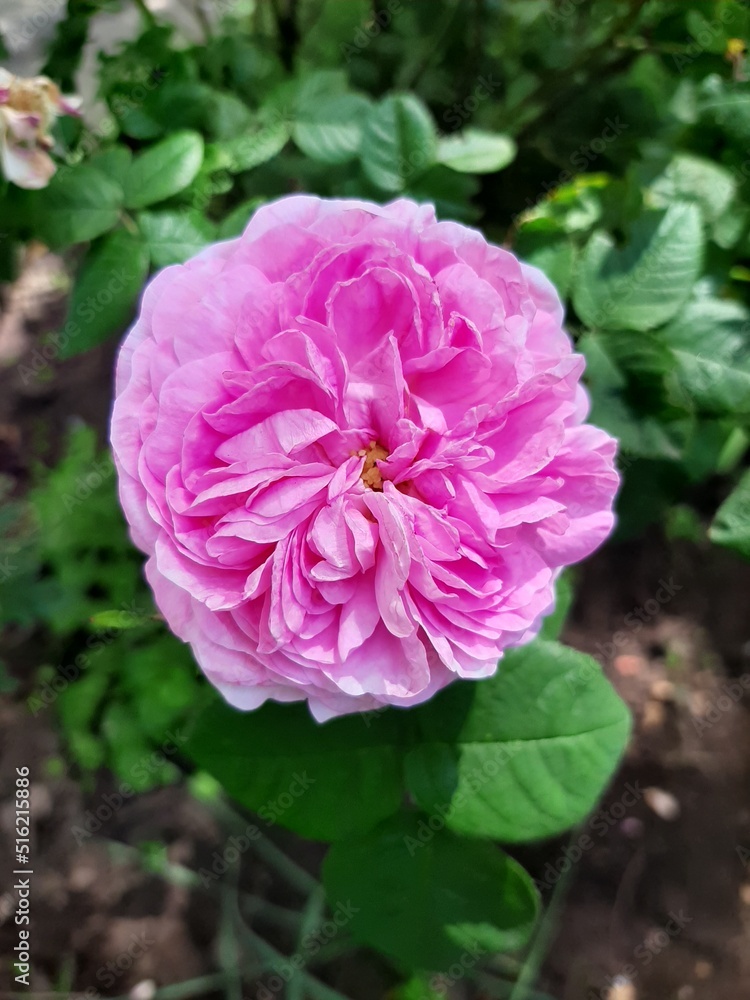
(370, 474)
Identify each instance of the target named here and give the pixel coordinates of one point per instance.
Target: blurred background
(606, 141)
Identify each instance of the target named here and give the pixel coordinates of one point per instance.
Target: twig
(540, 942)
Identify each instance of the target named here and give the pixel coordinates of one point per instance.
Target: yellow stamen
(370, 474)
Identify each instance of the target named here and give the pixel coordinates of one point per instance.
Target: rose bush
(352, 444)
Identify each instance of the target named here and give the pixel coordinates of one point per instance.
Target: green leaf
(426, 897)
(163, 170)
(174, 237)
(710, 345)
(398, 143)
(731, 525)
(114, 162)
(450, 192)
(474, 151)
(692, 178)
(79, 204)
(522, 755)
(554, 623)
(257, 145)
(279, 762)
(104, 294)
(544, 246)
(644, 284)
(646, 437)
(117, 620)
(330, 130)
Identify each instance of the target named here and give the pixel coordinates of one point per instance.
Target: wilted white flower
(28, 108)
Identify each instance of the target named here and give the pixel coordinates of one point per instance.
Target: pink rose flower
(352, 444)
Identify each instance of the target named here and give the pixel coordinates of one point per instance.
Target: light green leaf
(399, 142)
(79, 204)
(525, 754)
(174, 237)
(322, 781)
(257, 145)
(692, 178)
(427, 897)
(731, 525)
(164, 169)
(330, 130)
(644, 284)
(474, 151)
(710, 344)
(105, 292)
(116, 620)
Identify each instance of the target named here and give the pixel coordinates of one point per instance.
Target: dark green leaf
(281, 763)
(104, 294)
(427, 897)
(79, 204)
(731, 526)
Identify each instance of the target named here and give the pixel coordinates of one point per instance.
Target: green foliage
(173, 237)
(606, 144)
(427, 898)
(398, 143)
(731, 526)
(644, 284)
(164, 170)
(248, 755)
(526, 754)
(123, 686)
(106, 290)
(79, 204)
(475, 151)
